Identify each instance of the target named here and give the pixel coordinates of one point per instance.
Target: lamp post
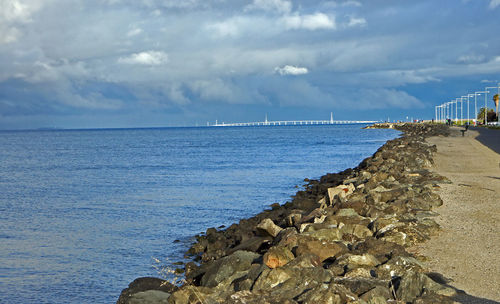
(485, 102)
(475, 102)
(456, 109)
(442, 113)
(462, 108)
(468, 95)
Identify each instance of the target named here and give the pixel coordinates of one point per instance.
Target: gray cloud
(182, 57)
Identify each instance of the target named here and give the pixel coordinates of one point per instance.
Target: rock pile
(342, 239)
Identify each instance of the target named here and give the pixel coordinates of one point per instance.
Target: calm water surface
(83, 212)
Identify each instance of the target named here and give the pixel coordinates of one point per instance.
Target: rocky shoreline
(343, 239)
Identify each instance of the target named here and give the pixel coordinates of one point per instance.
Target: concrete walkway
(467, 250)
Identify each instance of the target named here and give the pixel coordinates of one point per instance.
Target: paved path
(489, 138)
(467, 250)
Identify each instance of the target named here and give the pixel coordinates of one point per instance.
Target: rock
(269, 227)
(397, 237)
(253, 244)
(341, 191)
(413, 284)
(380, 249)
(246, 282)
(347, 212)
(398, 266)
(360, 273)
(354, 261)
(294, 219)
(290, 282)
(360, 286)
(145, 284)
(226, 270)
(277, 257)
(378, 294)
(271, 278)
(317, 226)
(323, 249)
(306, 260)
(193, 294)
(330, 235)
(328, 293)
(149, 297)
(284, 234)
(359, 231)
(247, 297)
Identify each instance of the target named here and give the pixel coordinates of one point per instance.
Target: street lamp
(462, 108)
(468, 95)
(443, 112)
(486, 104)
(475, 102)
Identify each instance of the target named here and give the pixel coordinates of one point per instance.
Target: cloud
(356, 22)
(134, 32)
(467, 59)
(226, 28)
(387, 98)
(91, 54)
(352, 3)
(291, 70)
(280, 6)
(145, 58)
(494, 4)
(310, 22)
(13, 15)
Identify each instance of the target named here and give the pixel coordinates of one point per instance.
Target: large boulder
(278, 256)
(323, 249)
(229, 268)
(149, 297)
(139, 286)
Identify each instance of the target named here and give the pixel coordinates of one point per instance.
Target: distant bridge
(293, 122)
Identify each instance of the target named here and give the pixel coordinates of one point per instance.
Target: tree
(495, 100)
(491, 115)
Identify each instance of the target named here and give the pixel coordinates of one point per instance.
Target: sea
(85, 212)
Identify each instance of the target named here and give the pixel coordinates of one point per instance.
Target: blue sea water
(84, 212)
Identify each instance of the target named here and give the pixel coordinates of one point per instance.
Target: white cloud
(134, 32)
(281, 6)
(227, 28)
(494, 4)
(16, 10)
(310, 22)
(14, 13)
(352, 3)
(291, 70)
(145, 58)
(353, 21)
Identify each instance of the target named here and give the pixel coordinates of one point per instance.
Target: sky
(160, 63)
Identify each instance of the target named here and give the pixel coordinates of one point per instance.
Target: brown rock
(277, 257)
(323, 249)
